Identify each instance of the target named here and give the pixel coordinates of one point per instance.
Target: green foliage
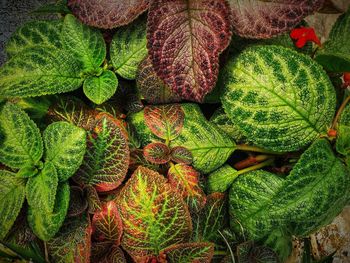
(221, 179)
(343, 139)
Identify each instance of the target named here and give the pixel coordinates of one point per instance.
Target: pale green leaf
(65, 148)
(21, 144)
(221, 179)
(343, 136)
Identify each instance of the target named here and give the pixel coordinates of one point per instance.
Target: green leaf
(343, 136)
(154, 216)
(180, 154)
(65, 148)
(22, 144)
(281, 100)
(84, 43)
(128, 48)
(248, 252)
(335, 54)
(280, 241)
(221, 179)
(100, 89)
(157, 153)
(44, 224)
(12, 194)
(27, 171)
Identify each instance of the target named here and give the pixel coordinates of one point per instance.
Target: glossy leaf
(180, 154)
(128, 48)
(185, 39)
(343, 136)
(100, 89)
(154, 216)
(65, 148)
(157, 153)
(221, 179)
(281, 100)
(12, 194)
(165, 121)
(107, 14)
(272, 17)
(21, 144)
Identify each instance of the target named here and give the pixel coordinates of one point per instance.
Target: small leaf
(65, 148)
(157, 153)
(343, 136)
(185, 39)
(107, 224)
(115, 255)
(22, 144)
(180, 154)
(248, 252)
(100, 89)
(107, 14)
(165, 121)
(221, 179)
(93, 199)
(128, 48)
(12, 195)
(27, 171)
(77, 203)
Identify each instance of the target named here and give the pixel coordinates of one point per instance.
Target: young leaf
(165, 121)
(65, 148)
(154, 216)
(100, 89)
(281, 100)
(83, 42)
(107, 157)
(221, 179)
(248, 252)
(343, 136)
(157, 153)
(22, 144)
(12, 194)
(185, 39)
(107, 224)
(106, 13)
(128, 48)
(180, 154)
(272, 17)
(189, 252)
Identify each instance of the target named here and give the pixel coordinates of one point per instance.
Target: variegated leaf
(181, 154)
(157, 153)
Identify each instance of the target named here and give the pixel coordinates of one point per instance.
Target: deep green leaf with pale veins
(221, 179)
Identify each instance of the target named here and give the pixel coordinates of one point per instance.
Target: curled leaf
(157, 153)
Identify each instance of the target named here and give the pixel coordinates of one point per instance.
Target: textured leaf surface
(12, 194)
(165, 121)
(107, 224)
(65, 148)
(221, 179)
(154, 216)
(181, 154)
(100, 89)
(73, 242)
(248, 252)
(189, 252)
(335, 54)
(83, 42)
(21, 144)
(185, 39)
(128, 48)
(279, 99)
(115, 255)
(93, 199)
(77, 203)
(107, 157)
(107, 14)
(157, 153)
(270, 17)
(343, 136)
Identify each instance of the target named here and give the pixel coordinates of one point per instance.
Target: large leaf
(271, 17)
(154, 216)
(12, 194)
(128, 48)
(335, 53)
(221, 179)
(281, 100)
(65, 148)
(343, 136)
(72, 243)
(185, 39)
(107, 13)
(21, 144)
(157, 153)
(83, 42)
(107, 157)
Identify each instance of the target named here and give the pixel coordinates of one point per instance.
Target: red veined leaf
(77, 203)
(137, 158)
(154, 216)
(189, 253)
(165, 121)
(181, 154)
(107, 157)
(115, 255)
(185, 39)
(264, 19)
(99, 249)
(107, 13)
(157, 152)
(94, 203)
(107, 224)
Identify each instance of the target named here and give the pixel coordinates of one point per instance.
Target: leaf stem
(249, 148)
(251, 160)
(256, 167)
(340, 110)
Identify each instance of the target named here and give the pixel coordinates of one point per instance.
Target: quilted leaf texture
(107, 13)
(154, 216)
(343, 137)
(12, 195)
(128, 48)
(221, 179)
(264, 19)
(157, 153)
(185, 39)
(65, 148)
(72, 243)
(21, 144)
(281, 100)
